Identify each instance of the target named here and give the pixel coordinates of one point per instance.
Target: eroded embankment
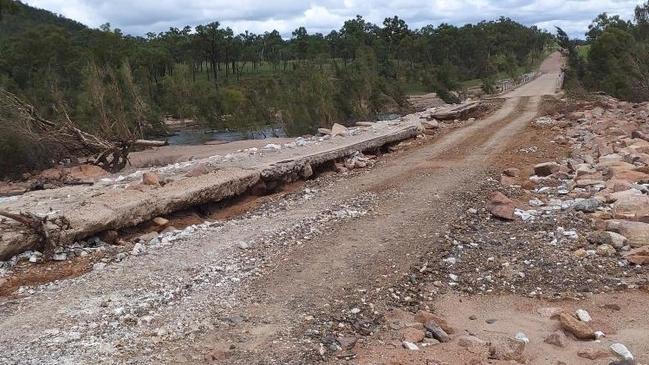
(75, 214)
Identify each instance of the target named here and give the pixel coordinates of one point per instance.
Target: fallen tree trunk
(149, 143)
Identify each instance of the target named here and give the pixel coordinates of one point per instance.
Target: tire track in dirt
(417, 202)
(458, 148)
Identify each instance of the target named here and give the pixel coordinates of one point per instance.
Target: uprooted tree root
(111, 156)
(34, 223)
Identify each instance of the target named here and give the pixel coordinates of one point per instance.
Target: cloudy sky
(141, 16)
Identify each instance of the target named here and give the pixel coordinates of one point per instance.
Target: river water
(198, 136)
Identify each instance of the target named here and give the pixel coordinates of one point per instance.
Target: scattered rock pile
(429, 119)
(582, 222)
(573, 227)
(606, 175)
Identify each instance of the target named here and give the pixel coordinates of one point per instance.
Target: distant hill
(29, 17)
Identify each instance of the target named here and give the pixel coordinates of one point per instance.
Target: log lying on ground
(92, 213)
(149, 143)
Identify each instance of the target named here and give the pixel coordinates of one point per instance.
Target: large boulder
(621, 170)
(86, 172)
(607, 238)
(593, 353)
(55, 173)
(501, 206)
(640, 135)
(631, 205)
(577, 328)
(150, 178)
(616, 185)
(638, 256)
(507, 349)
(610, 159)
(585, 170)
(636, 233)
(587, 205)
(631, 175)
(639, 145)
(430, 124)
(512, 172)
(198, 170)
(339, 130)
(556, 338)
(424, 317)
(508, 180)
(437, 331)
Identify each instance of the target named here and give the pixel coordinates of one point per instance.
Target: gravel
(173, 301)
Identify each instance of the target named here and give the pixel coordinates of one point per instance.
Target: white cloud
(141, 16)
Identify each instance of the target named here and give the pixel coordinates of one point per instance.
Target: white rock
(544, 121)
(599, 334)
(36, 257)
(583, 315)
(59, 256)
(355, 310)
(410, 346)
(536, 203)
(571, 234)
(521, 337)
(621, 351)
(525, 215)
(450, 260)
(453, 277)
(138, 249)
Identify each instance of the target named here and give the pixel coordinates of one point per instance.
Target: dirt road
(548, 82)
(261, 288)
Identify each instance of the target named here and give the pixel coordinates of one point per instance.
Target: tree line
(118, 85)
(614, 58)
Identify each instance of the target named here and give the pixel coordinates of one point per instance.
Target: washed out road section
(251, 282)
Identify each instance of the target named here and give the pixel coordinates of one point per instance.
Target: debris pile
(576, 225)
(606, 176)
(567, 227)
